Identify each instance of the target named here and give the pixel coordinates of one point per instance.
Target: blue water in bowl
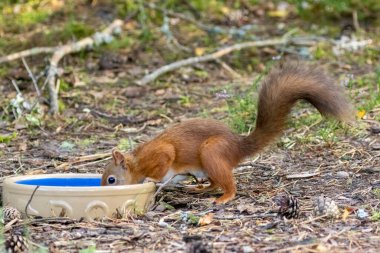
(64, 182)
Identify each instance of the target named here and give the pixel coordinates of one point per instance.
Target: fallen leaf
(159, 92)
(58, 129)
(199, 51)
(347, 211)
(206, 220)
(278, 14)
(22, 146)
(225, 10)
(345, 214)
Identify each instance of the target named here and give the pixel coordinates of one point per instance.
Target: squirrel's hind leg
(219, 169)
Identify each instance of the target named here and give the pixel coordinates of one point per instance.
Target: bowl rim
(9, 184)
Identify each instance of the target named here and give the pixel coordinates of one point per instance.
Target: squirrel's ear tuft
(117, 156)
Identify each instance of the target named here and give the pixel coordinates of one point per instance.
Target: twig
(133, 130)
(28, 52)
(209, 57)
(236, 217)
(163, 185)
(298, 248)
(160, 189)
(92, 163)
(30, 200)
(302, 175)
(314, 219)
(31, 77)
(16, 86)
(87, 158)
(232, 72)
(42, 89)
(178, 15)
(61, 51)
(90, 157)
(355, 20)
(10, 225)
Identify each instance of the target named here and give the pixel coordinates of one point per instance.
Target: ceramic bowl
(75, 196)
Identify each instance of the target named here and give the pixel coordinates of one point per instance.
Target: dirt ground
(249, 223)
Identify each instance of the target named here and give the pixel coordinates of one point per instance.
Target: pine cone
(289, 207)
(198, 247)
(10, 213)
(195, 244)
(16, 244)
(326, 206)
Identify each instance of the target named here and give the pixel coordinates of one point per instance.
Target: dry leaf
(278, 14)
(131, 25)
(206, 220)
(346, 213)
(199, 51)
(225, 10)
(22, 147)
(58, 130)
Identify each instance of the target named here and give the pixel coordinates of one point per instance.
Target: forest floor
(314, 159)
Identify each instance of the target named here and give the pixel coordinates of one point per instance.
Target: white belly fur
(196, 172)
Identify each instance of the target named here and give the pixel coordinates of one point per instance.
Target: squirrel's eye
(111, 180)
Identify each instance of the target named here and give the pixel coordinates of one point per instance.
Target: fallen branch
(28, 52)
(209, 57)
(98, 38)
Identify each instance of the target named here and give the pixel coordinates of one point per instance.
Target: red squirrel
(209, 146)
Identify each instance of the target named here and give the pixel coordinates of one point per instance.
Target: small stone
(150, 215)
(163, 224)
(371, 170)
(362, 214)
(160, 207)
(247, 249)
(342, 174)
(375, 129)
(133, 92)
(159, 92)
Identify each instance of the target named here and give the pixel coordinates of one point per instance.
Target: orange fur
(211, 147)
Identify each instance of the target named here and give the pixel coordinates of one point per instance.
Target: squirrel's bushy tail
(281, 89)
